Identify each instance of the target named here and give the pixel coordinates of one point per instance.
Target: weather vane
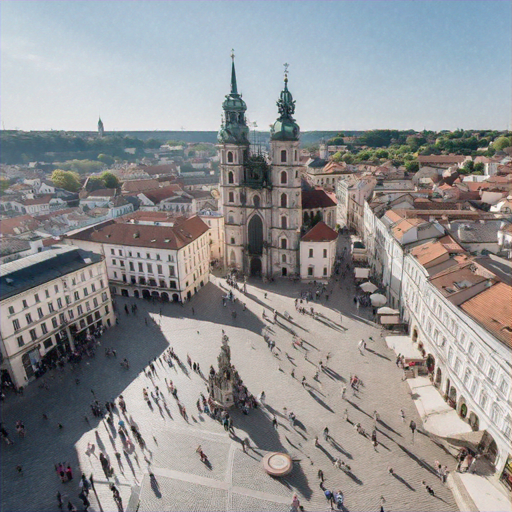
(232, 53)
(286, 66)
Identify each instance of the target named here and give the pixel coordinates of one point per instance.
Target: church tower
(286, 190)
(101, 130)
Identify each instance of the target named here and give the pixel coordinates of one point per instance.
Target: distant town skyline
(354, 65)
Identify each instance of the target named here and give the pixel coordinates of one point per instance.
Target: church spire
(234, 89)
(285, 128)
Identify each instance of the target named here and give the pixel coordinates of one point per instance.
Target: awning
(387, 311)
(361, 273)
(390, 319)
(368, 287)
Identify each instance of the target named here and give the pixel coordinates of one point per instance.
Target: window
(59, 303)
(112, 251)
(106, 310)
(114, 262)
(231, 177)
(44, 328)
(36, 297)
(54, 322)
(474, 387)
(86, 292)
(132, 268)
(284, 243)
(71, 314)
(11, 310)
(325, 271)
(158, 256)
(16, 325)
(456, 367)
(325, 253)
(480, 362)
(283, 155)
(93, 287)
(310, 271)
(77, 296)
(492, 373)
(104, 296)
(47, 293)
(141, 269)
(483, 400)
(33, 334)
(310, 255)
(284, 177)
(56, 288)
(48, 343)
(82, 277)
(230, 157)
(68, 300)
(471, 348)
(503, 385)
(25, 305)
(88, 306)
(80, 310)
(28, 317)
(284, 222)
(101, 283)
(51, 309)
(95, 302)
(20, 341)
(256, 201)
(283, 258)
(284, 200)
(90, 270)
(119, 252)
(172, 270)
(231, 197)
(150, 267)
(507, 427)
(122, 263)
(495, 414)
(40, 312)
(467, 377)
(159, 269)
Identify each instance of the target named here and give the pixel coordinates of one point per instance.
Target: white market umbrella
(387, 311)
(378, 300)
(368, 287)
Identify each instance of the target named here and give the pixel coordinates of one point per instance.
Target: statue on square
(221, 383)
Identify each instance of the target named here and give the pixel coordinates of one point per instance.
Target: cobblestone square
(236, 480)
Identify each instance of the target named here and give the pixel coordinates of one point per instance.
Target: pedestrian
(60, 503)
(345, 414)
(428, 488)
(60, 425)
(326, 433)
(72, 507)
(402, 415)
(85, 484)
(69, 473)
(320, 475)
(398, 359)
(303, 382)
(329, 496)
(317, 444)
(343, 391)
(146, 321)
(382, 501)
(243, 446)
(19, 469)
(444, 474)
(376, 417)
(274, 422)
(295, 504)
(360, 346)
(412, 426)
(390, 471)
(85, 501)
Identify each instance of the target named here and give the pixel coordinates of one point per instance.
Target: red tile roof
(320, 232)
(316, 199)
(143, 235)
(492, 309)
(159, 194)
(17, 225)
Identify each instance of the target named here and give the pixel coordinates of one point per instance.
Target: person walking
(85, 500)
(343, 391)
(320, 475)
(274, 422)
(412, 426)
(382, 501)
(360, 346)
(402, 415)
(326, 433)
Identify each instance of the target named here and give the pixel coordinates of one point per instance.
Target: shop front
(506, 474)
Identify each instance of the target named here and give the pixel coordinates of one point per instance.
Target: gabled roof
(140, 185)
(442, 159)
(492, 309)
(17, 225)
(143, 235)
(316, 199)
(102, 192)
(38, 200)
(320, 232)
(159, 194)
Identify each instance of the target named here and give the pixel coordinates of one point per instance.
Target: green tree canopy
(94, 183)
(337, 157)
(501, 143)
(110, 180)
(81, 166)
(106, 159)
(67, 180)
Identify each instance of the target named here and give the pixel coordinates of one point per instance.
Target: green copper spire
(234, 89)
(234, 128)
(285, 128)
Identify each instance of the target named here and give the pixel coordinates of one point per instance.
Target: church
(261, 196)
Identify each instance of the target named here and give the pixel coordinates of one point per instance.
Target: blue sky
(165, 64)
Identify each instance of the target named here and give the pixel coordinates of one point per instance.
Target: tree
(110, 180)
(348, 158)
(412, 166)
(337, 157)
(479, 168)
(106, 159)
(94, 183)
(152, 144)
(381, 153)
(501, 143)
(67, 180)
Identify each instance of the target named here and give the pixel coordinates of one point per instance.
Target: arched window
(230, 157)
(284, 222)
(231, 218)
(231, 197)
(283, 258)
(231, 177)
(495, 414)
(467, 377)
(284, 243)
(232, 258)
(256, 201)
(283, 155)
(295, 154)
(284, 177)
(284, 200)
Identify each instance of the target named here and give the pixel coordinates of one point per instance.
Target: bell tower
(286, 187)
(233, 148)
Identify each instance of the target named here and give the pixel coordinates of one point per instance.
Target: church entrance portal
(255, 231)
(256, 267)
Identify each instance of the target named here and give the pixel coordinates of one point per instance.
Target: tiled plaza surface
(235, 480)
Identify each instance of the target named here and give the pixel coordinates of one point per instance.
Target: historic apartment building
(47, 300)
(162, 259)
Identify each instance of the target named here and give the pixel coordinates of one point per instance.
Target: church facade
(261, 197)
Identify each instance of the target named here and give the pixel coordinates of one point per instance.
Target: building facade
(47, 301)
(260, 197)
(318, 252)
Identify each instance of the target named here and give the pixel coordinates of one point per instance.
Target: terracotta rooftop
(143, 235)
(316, 199)
(492, 309)
(159, 194)
(102, 192)
(38, 200)
(451, 159)
(140, 185)
(405, 225)
(393, 216)
(320, 232)
(17, 225)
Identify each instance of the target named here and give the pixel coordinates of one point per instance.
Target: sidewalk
(472, 492)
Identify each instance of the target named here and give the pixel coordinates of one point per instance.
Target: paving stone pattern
(235, 480)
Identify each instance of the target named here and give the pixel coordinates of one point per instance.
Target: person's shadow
(154, 486)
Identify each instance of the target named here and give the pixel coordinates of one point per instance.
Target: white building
(318, 252)
(161, 259)
(47, 300)
(461, 318)
(352, 193)
(215, 221)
